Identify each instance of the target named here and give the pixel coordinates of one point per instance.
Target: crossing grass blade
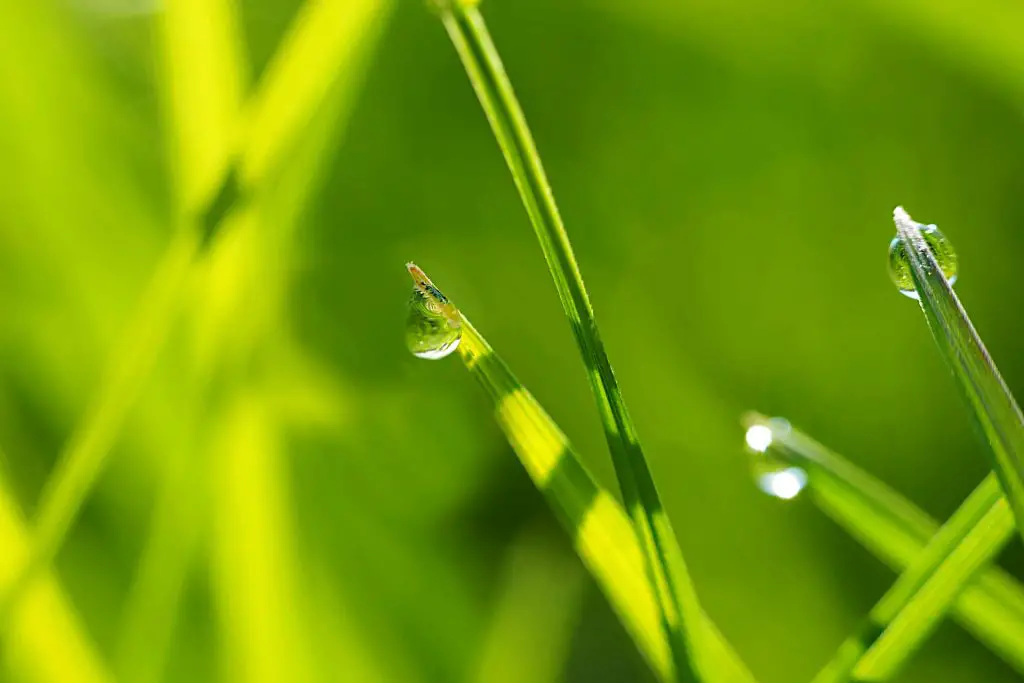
(984, 600)
(204, 81)
(603, 535)
(292, 122)
(993, 407)
(676, 597)
(47, 642)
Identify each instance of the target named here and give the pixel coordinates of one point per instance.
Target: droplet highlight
(433, 326)
(772, 474)
(899, 263)
(785, 484)
(759, 438)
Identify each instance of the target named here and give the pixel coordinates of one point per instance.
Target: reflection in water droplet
(899, 264)
(433, 328)
(785, 484)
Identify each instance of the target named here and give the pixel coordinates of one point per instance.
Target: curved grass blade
(604, 537)
(994, 409)
(677, 598)
(986, 601)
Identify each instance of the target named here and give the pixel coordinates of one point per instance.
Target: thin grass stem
(666, 570)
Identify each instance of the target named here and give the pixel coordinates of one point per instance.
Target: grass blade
(986, 601)
(603, 535)
(204, 77)
(993, 406)
(677, 599)
(47, 641)
(327, 41)
(83, 458)
(542, 589)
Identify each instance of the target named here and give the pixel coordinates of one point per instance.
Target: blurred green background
(294, 497)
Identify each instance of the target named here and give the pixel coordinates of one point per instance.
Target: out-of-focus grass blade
(83, 458)
(676, 597)
(328, 41)
(308, 86)
(994, 408)
(603, 535)
(46, 642)
(256, 574)
(989, 603)
(204, 76)
(541, 591)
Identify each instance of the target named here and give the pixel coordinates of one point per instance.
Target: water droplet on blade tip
(899, 263)
(433, 327)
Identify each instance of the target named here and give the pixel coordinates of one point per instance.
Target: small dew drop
(771, 472)
(899, 264)
(785, 484)
(433, 328)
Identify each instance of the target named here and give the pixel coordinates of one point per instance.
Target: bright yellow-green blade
(990, 605)
(255, 571)
(327, 43)
(204, 80)
(238, 295)
(309, 85)
(46, 642)
(83, 458)
(602, 531)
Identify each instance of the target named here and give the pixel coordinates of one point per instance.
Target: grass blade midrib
(665, 567)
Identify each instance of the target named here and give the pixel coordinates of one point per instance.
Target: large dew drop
(433, 328)
(899, 264)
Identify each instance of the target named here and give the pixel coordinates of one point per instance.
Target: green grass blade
(677, 599)
(604, 537)
(986, 601)
(993, 406)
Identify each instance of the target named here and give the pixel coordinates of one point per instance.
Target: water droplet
(433, 328)
(785, 484)
(759, 438)
(771, 473)
(899, 264)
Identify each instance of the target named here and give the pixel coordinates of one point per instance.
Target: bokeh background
(293, 497)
